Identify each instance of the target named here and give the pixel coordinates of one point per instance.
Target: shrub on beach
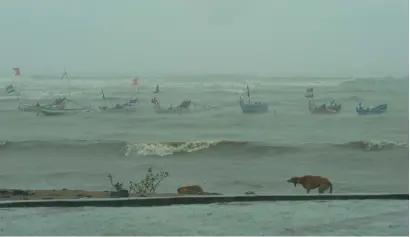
(117, 187)
(148, 185)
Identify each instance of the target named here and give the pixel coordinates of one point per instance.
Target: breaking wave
(174, 148)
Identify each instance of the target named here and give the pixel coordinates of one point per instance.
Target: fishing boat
(184, 107)
(57, 104)
(333, 108)
(252, 107)
(157, 89)
(53, 112)
(128, 106)
(382, 108)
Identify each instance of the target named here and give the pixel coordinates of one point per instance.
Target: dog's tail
(330, 187)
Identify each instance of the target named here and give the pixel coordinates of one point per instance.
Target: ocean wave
(163, 149)
(212, 147)
(375, 145)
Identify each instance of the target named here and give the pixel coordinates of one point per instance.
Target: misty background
(259, 37)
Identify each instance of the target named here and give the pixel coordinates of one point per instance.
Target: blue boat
(252, 107)
(371, 110)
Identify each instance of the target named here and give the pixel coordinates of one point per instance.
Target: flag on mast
(64, 74)
(134, 81)
(10, 89)
(16, 71)
(309, 93)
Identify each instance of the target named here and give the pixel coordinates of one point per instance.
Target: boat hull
(29, 108)
(33, 108)
(317, 110)
(55, 112)
(324, 110)
(376, 110)
(177, 110)
(256, 108)
(116, 110)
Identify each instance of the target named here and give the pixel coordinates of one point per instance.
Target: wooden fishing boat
(382, 108)
(323, 109)
(128, 106)
(53, 112)
(252, 107)
(57, 104)
(184, 107)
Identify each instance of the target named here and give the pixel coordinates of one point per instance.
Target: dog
(310, 182)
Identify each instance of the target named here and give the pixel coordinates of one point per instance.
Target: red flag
(60, 105)
(135, 81)
(16, 71)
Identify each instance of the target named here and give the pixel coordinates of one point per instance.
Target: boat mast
(249, 96)
(68, 81)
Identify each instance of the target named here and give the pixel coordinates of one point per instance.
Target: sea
(215, 146)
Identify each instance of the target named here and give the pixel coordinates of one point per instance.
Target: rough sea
(216, 147)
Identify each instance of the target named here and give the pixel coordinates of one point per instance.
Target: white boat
(52, 112)
(55, 110)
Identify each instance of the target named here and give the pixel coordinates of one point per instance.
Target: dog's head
(293, 180)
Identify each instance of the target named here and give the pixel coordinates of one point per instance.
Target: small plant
(150, 183)
(117, 186)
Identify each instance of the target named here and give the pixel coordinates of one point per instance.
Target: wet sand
(17, 194)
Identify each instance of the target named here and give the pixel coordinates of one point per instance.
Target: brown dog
(310, 182)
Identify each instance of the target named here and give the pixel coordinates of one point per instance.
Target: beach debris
(250, 193)
(14, 192)
(118, 190)
(120, 194)
(191, 189)
(117, 186)
(194, 190)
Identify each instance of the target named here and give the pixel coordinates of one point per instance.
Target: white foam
(371, 145)
(163, 149)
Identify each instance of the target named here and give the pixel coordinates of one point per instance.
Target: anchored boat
(382, 108)
(184, 107)
(52, 112)
(57, 104)
(252, 107)
(125, 107)
(333, 108)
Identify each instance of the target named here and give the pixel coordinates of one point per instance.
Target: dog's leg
(322, 188)
(308, 190)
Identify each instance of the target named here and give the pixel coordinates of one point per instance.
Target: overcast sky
(264, 37)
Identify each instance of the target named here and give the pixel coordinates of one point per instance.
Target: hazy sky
(264, 37)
